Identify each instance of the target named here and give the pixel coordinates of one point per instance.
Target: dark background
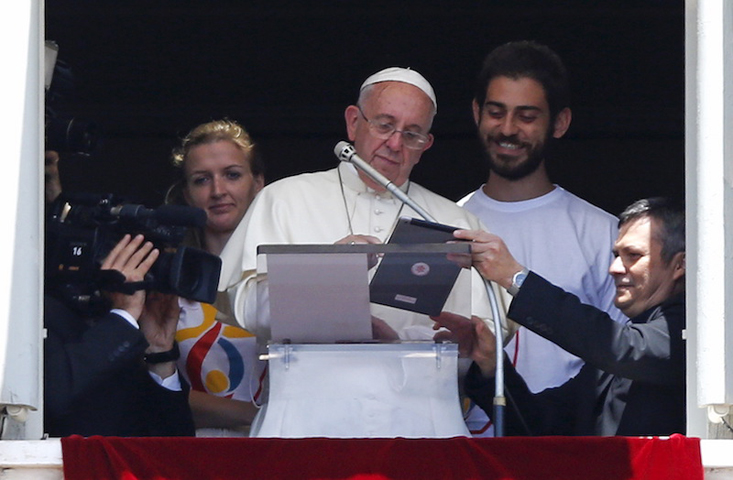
(146, 72)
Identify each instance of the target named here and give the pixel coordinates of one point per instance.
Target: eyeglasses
(384, 131)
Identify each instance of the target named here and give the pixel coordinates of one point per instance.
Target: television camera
(64, 134)
(82, 229)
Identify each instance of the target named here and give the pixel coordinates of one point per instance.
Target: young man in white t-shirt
(521, 104)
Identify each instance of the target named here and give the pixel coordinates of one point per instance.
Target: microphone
(347, 153)
(180, 215)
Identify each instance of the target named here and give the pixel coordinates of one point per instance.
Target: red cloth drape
(567, 458)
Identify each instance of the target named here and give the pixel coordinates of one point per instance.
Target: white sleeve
(172, 382)
(126, 315)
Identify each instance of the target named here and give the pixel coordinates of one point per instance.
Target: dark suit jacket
(96, 382)
(633, 382)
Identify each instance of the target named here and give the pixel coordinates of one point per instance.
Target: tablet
(418, 282)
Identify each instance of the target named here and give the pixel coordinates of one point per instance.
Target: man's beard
(506, 166)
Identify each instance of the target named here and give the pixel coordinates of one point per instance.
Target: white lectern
(355, 388)
(362, 390)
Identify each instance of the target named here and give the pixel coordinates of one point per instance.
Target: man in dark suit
(116, 374)
(633, 382)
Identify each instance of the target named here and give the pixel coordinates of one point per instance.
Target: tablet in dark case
(418, 282)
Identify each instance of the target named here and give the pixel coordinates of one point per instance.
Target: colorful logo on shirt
(214, 363)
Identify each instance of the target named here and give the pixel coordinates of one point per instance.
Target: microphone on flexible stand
(347, 153)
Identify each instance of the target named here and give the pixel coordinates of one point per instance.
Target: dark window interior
(146, 72)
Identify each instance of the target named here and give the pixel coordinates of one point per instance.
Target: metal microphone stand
(499, 398)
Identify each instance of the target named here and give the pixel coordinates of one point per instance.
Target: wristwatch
(517, 281)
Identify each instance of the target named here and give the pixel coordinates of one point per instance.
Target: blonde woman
(220, 173)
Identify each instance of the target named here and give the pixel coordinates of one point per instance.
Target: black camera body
(64, 134)
(81, 231)
(69, 134)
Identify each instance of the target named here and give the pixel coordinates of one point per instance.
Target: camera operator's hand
(133, 259)
(159, 320)
(158, 323)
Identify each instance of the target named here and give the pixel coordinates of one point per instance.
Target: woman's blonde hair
(213, 132)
